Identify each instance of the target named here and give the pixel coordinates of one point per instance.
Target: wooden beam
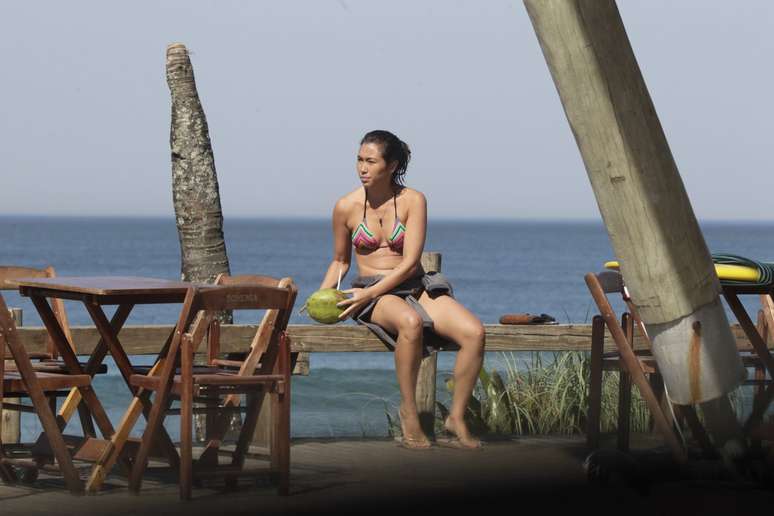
(426, 378)
(652, 228)
(146, 339)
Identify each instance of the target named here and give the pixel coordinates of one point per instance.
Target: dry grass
(544, 395)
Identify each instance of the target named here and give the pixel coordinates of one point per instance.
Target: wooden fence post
(12, 418)
(426, 381)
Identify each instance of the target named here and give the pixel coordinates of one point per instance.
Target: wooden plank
(91, 449)
(106, 286)
(11, 419)
(146, 339)
(428, 367)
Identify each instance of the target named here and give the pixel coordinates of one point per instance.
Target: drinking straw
(338, 284)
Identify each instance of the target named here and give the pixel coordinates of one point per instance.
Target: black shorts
(434, 283)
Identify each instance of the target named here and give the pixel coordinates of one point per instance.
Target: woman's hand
(360, 298)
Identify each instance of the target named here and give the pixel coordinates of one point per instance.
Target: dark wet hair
(393, 149)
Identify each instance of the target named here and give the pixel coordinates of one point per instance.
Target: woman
(385, 222)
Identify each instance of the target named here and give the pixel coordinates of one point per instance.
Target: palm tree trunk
(195, 192)
(194, 181)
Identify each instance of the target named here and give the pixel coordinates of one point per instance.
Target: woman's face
(371, 167)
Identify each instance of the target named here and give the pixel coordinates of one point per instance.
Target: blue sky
(290, 87)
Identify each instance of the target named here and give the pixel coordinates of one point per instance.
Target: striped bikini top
(363, 238)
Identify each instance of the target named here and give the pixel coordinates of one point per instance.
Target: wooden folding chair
(24, 381)
(631, 364)
(610, 282)
(633, 367)
(48, 360)
(266, 369)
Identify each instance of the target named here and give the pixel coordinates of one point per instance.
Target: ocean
(496, 267)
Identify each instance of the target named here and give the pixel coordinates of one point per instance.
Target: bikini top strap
(394, 205)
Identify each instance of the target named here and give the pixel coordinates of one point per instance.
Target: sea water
(496, 267)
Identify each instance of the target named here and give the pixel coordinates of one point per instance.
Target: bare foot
(413, 436)
(458, 428)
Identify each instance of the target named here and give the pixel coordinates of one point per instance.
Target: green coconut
(321, 305)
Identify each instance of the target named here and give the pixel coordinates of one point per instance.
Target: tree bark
(195, 192)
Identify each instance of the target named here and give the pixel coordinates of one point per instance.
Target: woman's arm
(342, 248)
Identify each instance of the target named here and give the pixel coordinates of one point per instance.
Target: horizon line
(327, 218)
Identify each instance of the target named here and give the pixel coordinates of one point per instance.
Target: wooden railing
(314, 338)
(306, 339)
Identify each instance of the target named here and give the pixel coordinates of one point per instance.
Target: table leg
(113, 450)
(138, 406)
(71, 361)
(109, 336)
(87, 424)
(125, 367)
(96, 358)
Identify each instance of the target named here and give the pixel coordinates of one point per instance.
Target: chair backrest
(273, 318)
(611, 282)
(9, 273)
(249, 292)
(9, 336)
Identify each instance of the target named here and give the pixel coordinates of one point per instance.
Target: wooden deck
(366, 476)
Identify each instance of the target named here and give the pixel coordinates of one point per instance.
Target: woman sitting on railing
(385, 223)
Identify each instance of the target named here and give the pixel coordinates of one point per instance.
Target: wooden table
(94, 293)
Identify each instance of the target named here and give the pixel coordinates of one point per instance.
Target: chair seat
(12, 382)
(613, 363)
(197, 369)
(207, 376)
(55, 366)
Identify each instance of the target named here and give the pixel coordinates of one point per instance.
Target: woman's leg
(453, 321)
(395, 315)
